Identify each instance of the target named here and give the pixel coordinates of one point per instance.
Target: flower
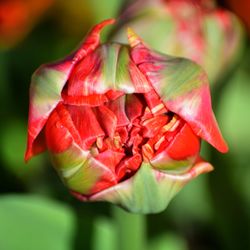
(17, 18)
(241, 10)
(197, 30)
(122, 122)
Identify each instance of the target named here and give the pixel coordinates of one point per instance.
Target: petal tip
(92, 40)
(27, 156)
(222, 147)
(201, 167)
(103, 24)
(133, 38)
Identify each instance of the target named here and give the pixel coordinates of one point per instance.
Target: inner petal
(84, 78)
(128, 166)
(87, 124)
(107, 119)
(134, 106)
(118, 108)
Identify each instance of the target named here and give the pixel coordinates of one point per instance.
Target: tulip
(122, 123)
(17, 18)
(240, 9)
(197, 30)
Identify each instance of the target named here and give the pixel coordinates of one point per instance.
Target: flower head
(194, 29)
(17, 18)
(122, 123)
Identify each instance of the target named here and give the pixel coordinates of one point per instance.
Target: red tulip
(194, 29)
(17, 18)
(122, 123)
(241, 9)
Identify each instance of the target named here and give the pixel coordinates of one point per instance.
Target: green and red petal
(183, 87)
(47, 84)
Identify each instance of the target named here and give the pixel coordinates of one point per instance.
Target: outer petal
(184, 88)
(149, 190)
(47, 84)
(109, 67)
(78, 169)
(82, 173)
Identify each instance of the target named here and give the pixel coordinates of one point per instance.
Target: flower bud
(198, 30)
(122, 123)
(18, 17)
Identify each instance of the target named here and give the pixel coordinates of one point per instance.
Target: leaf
(12, 150)
(31, 222)
(168, 241)
(104, 237)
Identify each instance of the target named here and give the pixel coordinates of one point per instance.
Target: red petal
(40, 111)
(154, 102)
(118, 108)
(86, 123)
(139, 80)
(92, 40)
(185, 144)
(84, 78)
(128, 166)
(58, 138)
(113, 94)
(110, 158)
(123, 133)
(153, 125)
(134, 107)
(189, 101)
(107, 120)
(199, 116)
(90, 100)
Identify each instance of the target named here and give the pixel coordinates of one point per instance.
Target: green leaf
(196, 200)
(13, 139)
(168, 241)
(104, 237)
(32, 222)
(233, 112)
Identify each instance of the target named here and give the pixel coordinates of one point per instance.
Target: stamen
(117, 141)
(158, 108)
(99, 142)
(158, 144)
(169, 126)
(176, 124)
(147, 152)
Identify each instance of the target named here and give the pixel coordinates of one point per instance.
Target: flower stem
(131, 230)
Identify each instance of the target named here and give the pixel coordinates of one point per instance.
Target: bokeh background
(36, 210)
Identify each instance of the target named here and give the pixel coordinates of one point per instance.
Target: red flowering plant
(17, 18)
(194, 29)
(122, 123)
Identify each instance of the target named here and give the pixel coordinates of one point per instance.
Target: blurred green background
(36, 210)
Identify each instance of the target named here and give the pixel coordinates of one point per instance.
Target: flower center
(137, 127)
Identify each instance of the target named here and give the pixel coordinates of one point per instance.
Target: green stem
(131, 230)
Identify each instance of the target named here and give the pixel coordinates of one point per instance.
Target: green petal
(149, 190)
(81, 172)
